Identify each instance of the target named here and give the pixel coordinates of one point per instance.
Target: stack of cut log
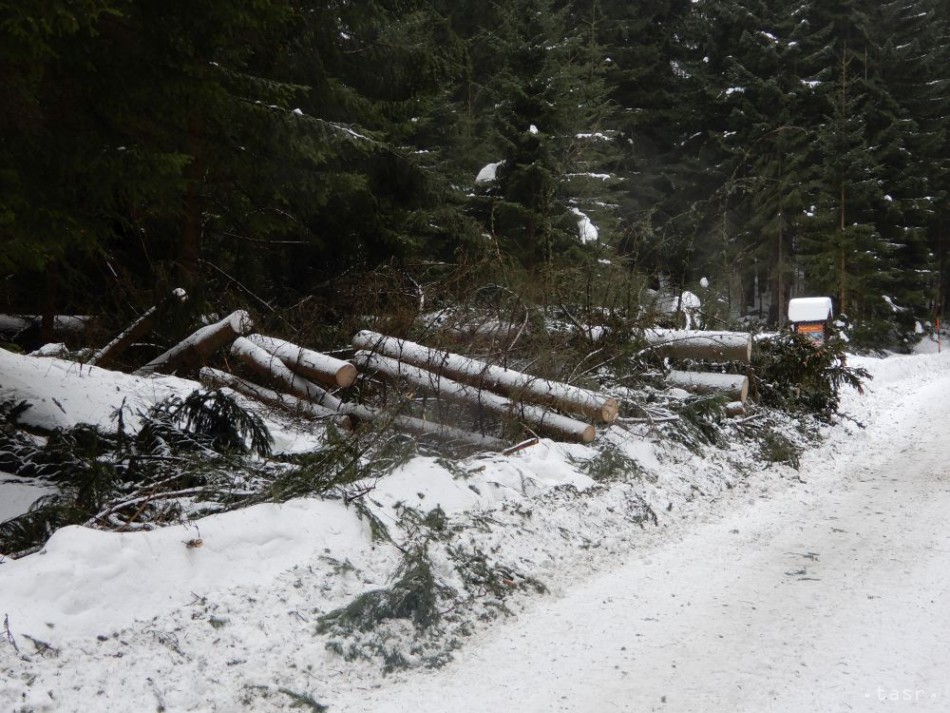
(706, 347)
(288, 376)
(504, 392)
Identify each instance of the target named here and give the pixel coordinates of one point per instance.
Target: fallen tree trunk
(735, 386)
(273, 369)
(139, 328)
(709, 346)
(423, 428)
(308, 363)
(556, 424)
(216, 378)
(518, 385)
(26, 330)
(193, 352)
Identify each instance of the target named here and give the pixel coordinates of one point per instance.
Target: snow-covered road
(825, 589)
(833, 595)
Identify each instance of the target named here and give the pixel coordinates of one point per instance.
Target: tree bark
(424, 428)
(540, 418)
(48, 318)
(734, 409)
(518, 385)
(219, 379)
(308, 363)
(139, 328)
(274, 370)
(193, 352)
(710, 346)
(189, 247)
(735, 386)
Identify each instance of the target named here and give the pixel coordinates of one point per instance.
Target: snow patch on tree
(488, 173)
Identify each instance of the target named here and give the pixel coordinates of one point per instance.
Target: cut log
(515, 384)
(735, 386)
(710, 346)
(540, 418)
(308, 363)
(274, 370)
(215, 378)
(424, 428)
(12, 326)
(734, 409)
(192, 353)
(135, 331)
(490, 330)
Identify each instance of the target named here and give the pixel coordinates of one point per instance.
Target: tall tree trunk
(189, 249)
(842, 260)
(48, 318)
(842, 128)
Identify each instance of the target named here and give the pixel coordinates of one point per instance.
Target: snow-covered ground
(758, 589)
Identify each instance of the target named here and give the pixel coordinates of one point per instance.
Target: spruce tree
(540, 101)
(864, 246)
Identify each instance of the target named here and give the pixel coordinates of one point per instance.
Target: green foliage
(410, 621)
(777, 448)
(191, 450)
(26, 533)
(270, 151)
(483, 576)
(209, 417)
(414, 596)
(700, 422)
(793, 373)
(303, 700)
(611, 463)
(344, 460)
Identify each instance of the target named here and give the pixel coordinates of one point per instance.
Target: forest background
(322, 161)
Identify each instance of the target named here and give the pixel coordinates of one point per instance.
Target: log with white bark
(193, 352)
(218, 379)
(423, 428)
(490, 330)
(27, 328)
(274, 370)
(347, 412)
(516, 384)
(308, 363)
(540, 418)
(735, 386)
(138, 329)
(692, 344)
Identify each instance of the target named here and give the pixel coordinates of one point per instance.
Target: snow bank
(88, 582)
(64, 393)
